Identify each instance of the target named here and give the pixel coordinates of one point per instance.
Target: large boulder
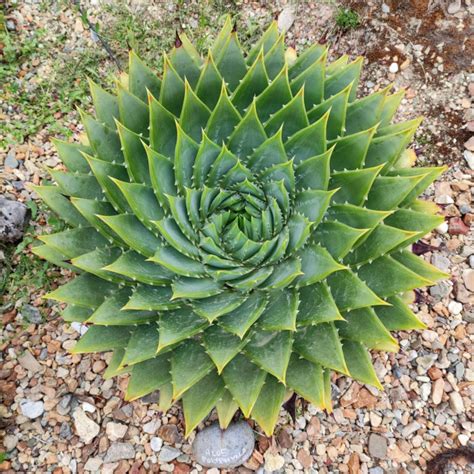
(14, 217)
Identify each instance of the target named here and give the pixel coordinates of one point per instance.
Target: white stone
(156, 443)
(93, 464)
(438, 390)
(88, 407)
(273, 462)
(456, 402)
(463, 439)
(455, 307)
(393, 68)
(286, 18)
(115, 431)
(31, 409)
(151, 427)
(443, 227)
(10, 441)
(469, 157)
(86, 428)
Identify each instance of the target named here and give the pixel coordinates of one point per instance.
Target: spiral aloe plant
(240, 227)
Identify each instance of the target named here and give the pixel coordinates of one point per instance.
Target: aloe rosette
(240, 227)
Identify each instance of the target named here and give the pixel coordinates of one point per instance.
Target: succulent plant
(240, 227)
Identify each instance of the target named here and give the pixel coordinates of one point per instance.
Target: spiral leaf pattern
(240, 227)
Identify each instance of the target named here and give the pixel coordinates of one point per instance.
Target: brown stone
(435, 373)
(305, 458)
(170, 434)
(365, 399)
(181, 468)
(457, 226)
(284, 439)
(354, 464)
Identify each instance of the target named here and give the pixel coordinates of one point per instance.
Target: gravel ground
(58, 414)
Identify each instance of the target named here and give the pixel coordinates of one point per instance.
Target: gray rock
(168, 454)
(31, 409)
(156, 443)
(425, 362)
(441, 262)
(65, 431)
(28, 362)
(439, 291)
(119, 451)
(64, 405)
(411, 428)
(286, 18)
(454, 7)
(31, 314)
(376, 470)
(228, 448)
(10, 160)
(14, 217)
(377, 446)
(10, 441)
(86, 428)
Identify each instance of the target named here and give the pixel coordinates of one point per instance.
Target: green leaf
(114, 368)
(248, 135)
(320, 344)
(185, 59)
(313, 204)
(102, 338)
(275, 58)
(135, 266)
(244, 390)
(135, 155)
(173, 234)
(350, 292)
(142, 345)
(194, 114)
(223, 119)
(350, 151)
(76, 313)
(240, 320)
(52, 255)
(337, 107)
(381, 240)
(185, 154)
(346, 76)
(162, 176)
(77, 185)
(226, 408)
(308, 142)
(222, 37)
(398, 317)
(141, 78)
(283, 274)
(215, 306)
(221, 346)
(355, 216)
(209, 85)
(177, 325)
(387, 277)
(366, 112)
(195, 288)
(309, 56)
(253, 83)
(314, 173)
(420, 266)
(271, 351)
(172, 88)
(271, 152)
(274, 96)
(265, 42)
(359, 364)
(338, 239)
(177, 262)
(189, 364)
(390, 106)
(312, 78)
(162, 129)
(105, 104)
(134, 113)
(267, 408)
(200, 399)
(280, 313)
(71, 155)
(104, 140)
(316, 305)
(316, 264)
(74, 242)
(148, 376)
(93, 262)
(292, 116)
(354, 186)
(306, 379)
(151, 298)
(362, 325)
(230, 61)
(133, 233)
(110, 312)
(85, 290)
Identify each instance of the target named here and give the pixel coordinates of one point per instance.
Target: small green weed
(347, 19)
